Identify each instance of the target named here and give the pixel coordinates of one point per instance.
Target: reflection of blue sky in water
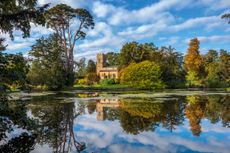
(108, 136)
(101, 134)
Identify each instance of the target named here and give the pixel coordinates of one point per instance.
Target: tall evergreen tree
(61, 19)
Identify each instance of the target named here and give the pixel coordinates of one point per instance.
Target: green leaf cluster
(48, 65)
(143, 75)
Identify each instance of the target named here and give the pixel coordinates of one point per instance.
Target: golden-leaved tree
(193, 64)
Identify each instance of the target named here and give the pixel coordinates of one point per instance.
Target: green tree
(13, 68)
(61, 19)
(211, 56)
(225, 66)
(171, 63)
(17, 69)
(18, 14)
(91, 66)
(135, 52)
(48, 64)
(144, 75)
(193, 64)
(212, 78)
(213, 70)
(81, 68)
(112, 59)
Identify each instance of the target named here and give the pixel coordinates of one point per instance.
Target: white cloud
(214, 4)
(144, 31)
(173, 40)
(72, 3)
(228, 29)
(102, 10)
(37, 30)
(101, 28)
(194, 22)
(147, 14)
(215, 38)
(100, 39)
(18, 46)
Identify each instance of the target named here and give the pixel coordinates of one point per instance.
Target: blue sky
(163, 22)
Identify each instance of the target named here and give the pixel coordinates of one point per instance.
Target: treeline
(52, 66)
(147, 67)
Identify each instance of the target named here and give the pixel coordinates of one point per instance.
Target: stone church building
(103, 71)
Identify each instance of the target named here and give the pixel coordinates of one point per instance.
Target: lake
(117, 122)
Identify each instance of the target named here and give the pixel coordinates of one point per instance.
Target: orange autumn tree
(193, 64)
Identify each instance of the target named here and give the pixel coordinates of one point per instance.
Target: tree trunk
(70, 69)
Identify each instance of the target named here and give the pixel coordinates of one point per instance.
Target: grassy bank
(102, 87)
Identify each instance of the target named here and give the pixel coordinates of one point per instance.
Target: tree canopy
(48, 63)
(143, 75)
(17, 15)
(193, 64)
(61, 18)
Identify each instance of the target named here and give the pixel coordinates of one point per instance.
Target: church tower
(100, 62)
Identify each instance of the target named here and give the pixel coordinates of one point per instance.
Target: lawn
(102, 87)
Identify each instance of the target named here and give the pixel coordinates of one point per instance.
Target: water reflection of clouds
(15, 132)
(217, 127)
(109, 136)
(41, 149)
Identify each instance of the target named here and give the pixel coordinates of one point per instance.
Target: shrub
(91, 78)
(41, 87)
(144, 75)
(228, 89)
(81, 82)
(107, 81)
(193, 79)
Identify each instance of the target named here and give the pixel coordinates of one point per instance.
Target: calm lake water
(186, 122)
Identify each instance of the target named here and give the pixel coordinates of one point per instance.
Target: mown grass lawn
(103, 87)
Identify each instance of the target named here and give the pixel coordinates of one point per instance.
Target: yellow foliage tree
(193, 61)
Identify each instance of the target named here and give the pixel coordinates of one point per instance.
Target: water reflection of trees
(13, 117)
(147, 115)
(56, 126)
(214, 108)
(52, 124)
(138, 115)
(53, 121)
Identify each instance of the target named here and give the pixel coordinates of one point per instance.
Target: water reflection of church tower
(105, 103)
